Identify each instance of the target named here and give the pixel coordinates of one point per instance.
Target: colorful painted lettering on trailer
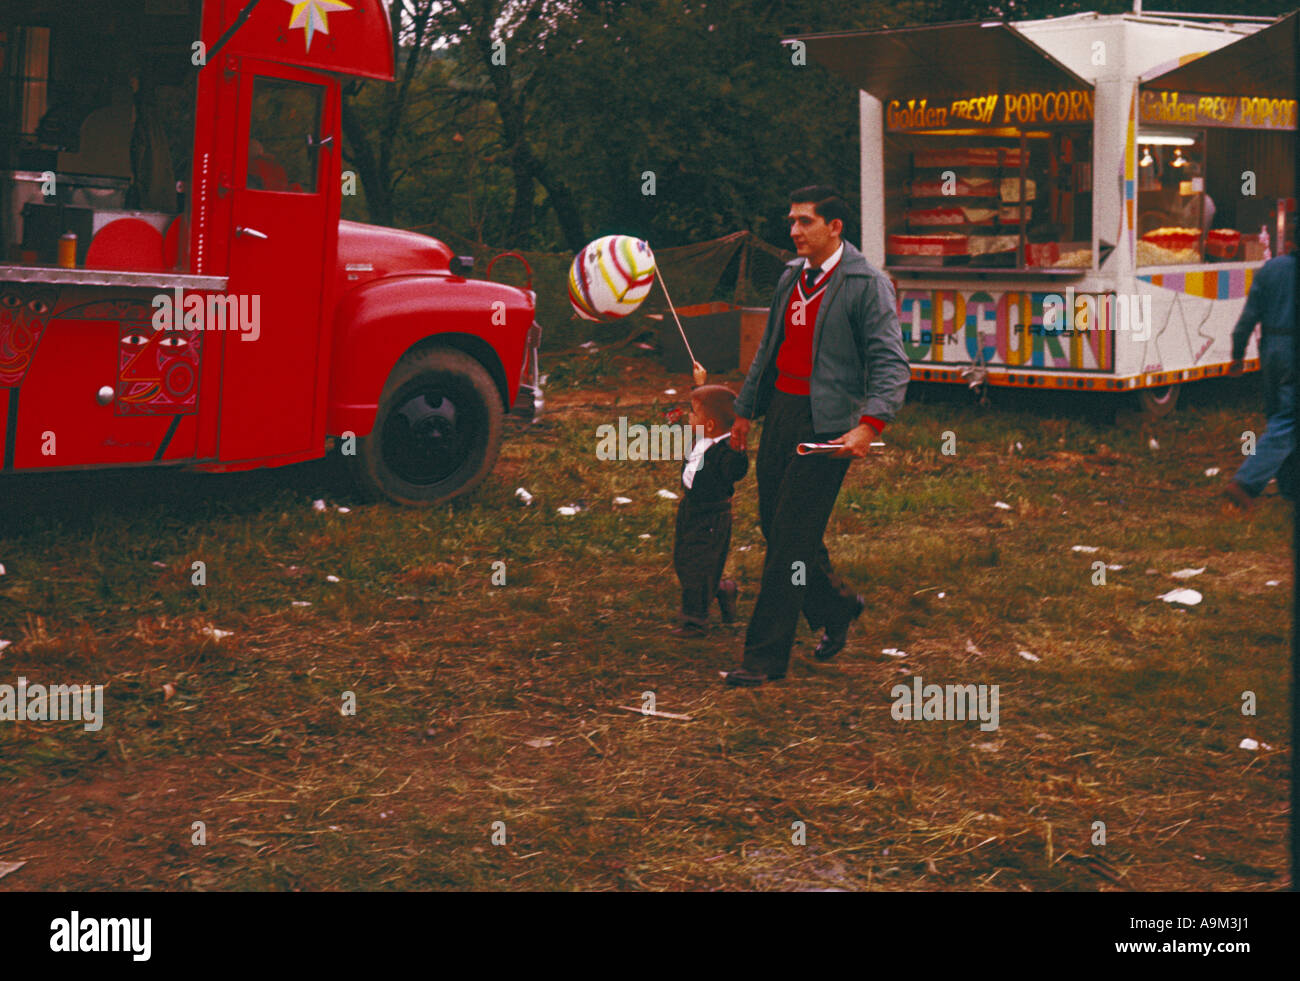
(1019, 329)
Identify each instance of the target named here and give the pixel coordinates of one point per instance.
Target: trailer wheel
(1157, 402)
(437, 432)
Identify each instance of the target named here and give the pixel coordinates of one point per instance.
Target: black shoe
(727, 592)
(833, 639)
(744, 678)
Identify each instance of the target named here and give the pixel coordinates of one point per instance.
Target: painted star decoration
(311, 15)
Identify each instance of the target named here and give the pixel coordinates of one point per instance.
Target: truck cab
(176, 285)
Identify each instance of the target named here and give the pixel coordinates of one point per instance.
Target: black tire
(437, 432)
(1157, 402)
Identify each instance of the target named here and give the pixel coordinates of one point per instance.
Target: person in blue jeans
(1271, 304)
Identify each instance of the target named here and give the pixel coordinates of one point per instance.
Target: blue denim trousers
(1273, 455)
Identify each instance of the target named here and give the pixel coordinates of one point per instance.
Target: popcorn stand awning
(946, 60)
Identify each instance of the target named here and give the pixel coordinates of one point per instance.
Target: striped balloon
(610, 277)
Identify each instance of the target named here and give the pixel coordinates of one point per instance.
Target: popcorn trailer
(177, 287)
(1074, 203)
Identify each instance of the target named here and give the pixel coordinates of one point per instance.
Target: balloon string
(660, 276)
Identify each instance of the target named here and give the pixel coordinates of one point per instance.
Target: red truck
(177, 287)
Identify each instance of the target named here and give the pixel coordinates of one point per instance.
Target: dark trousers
(703, 536)
(1274, 453)
(796, 495)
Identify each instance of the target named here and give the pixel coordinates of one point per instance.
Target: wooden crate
(723, 336)
(753, 321)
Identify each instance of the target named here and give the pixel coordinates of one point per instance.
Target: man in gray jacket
(830, 368)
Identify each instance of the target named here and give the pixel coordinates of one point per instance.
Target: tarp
(739, 268)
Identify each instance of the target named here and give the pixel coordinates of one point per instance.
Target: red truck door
(283, 240)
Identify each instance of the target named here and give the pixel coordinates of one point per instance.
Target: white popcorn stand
(1073, 203)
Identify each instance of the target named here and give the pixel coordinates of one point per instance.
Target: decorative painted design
(25, 310)
(313, 15)
(157, 370)
(1212, 284)
(1006, 329)
(1130, 175)
(1183, 337)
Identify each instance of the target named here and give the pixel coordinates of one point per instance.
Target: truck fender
(379, 322)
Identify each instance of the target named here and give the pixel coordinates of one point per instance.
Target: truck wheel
(437, 432)
(1157, 402)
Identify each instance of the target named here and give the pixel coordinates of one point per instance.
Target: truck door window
(283, 130)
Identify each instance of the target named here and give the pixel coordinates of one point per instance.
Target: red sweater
(794, 358)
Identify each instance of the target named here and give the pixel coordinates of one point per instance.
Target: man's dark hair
(826, 202)
(717, 402)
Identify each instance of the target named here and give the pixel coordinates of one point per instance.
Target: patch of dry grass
(479, 704)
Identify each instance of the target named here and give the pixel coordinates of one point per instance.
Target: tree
(374, 149)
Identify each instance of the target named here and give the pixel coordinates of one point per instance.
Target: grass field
(479, 703)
